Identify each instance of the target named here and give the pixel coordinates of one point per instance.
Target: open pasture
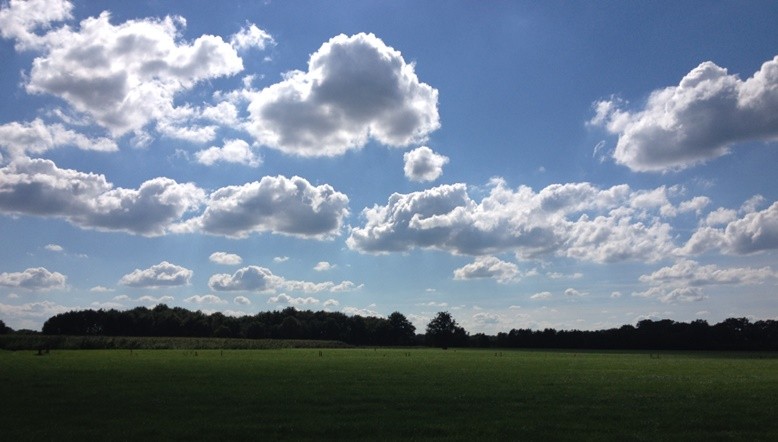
(380, 394)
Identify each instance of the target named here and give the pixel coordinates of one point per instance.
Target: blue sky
(519, 164)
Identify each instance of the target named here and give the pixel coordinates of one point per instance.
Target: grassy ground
(383, 394)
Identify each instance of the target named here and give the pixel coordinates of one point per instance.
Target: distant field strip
(386, 394)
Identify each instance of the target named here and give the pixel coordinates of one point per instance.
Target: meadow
(386, 394)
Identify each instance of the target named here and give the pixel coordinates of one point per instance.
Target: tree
(4, 329)
(401, 331)
(443, 331)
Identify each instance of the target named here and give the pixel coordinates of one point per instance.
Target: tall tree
(443, 331)
(401, 331)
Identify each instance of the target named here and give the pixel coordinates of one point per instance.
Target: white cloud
(575, 220)
(251, 36)
(684, 280)
(100, 289)
(126, 76)
(260, 279)
(488, 267)
(35, 137)
(422, 164)
(754, 232)
(541, 295)
(37, 278)
(163, 274)
(205, 299)
(225, 258)
(573, 293)
(280, 259)
(616, 295)
(486, 318)
(289, 206)
(286, 299)
(54, 248)
(323, 266)
(241, 300)
(33, 310)
(20, 19)
(88, 200)
(702, 118)
(690, 273)
(364, 312)
(234, 151)
(356, 88)
(251, 278)
(331, 303)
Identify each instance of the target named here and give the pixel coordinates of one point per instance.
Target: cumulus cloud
(20, 19)
(251, 36)
(573, 293)
(88, 200)
(754, 232)
(422, 164)
(122, 76)
(289, 206)
(576, 220)
(225, 258)
(286, 299)
(234, 151)
(323, 266)
(684, 281)
(251, 278)
(32, 312)
(54, 248)
(241, 300)
(260, 279)
(701, 118)
(355, 88)
(205, 299)
(37, 278)
(35, 137)
(163, 274)
(488, 267)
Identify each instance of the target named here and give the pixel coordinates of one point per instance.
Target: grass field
(367, 394)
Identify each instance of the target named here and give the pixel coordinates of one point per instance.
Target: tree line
(397, 330)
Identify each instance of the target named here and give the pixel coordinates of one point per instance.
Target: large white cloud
(576, 220)
(488, 267)
(88, 200)
(290, 206)
(702, 118)
(356, 88)
(163, 274)
(756, 231)
(123, 76)
(423, 164)
(35, 137)
(38, 278)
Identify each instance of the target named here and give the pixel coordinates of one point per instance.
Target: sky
(574, 165)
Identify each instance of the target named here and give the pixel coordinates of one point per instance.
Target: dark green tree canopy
(443, 331)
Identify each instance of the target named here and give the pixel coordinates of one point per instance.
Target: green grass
(366, 394)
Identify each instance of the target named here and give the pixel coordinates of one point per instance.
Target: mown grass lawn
(380, 394)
